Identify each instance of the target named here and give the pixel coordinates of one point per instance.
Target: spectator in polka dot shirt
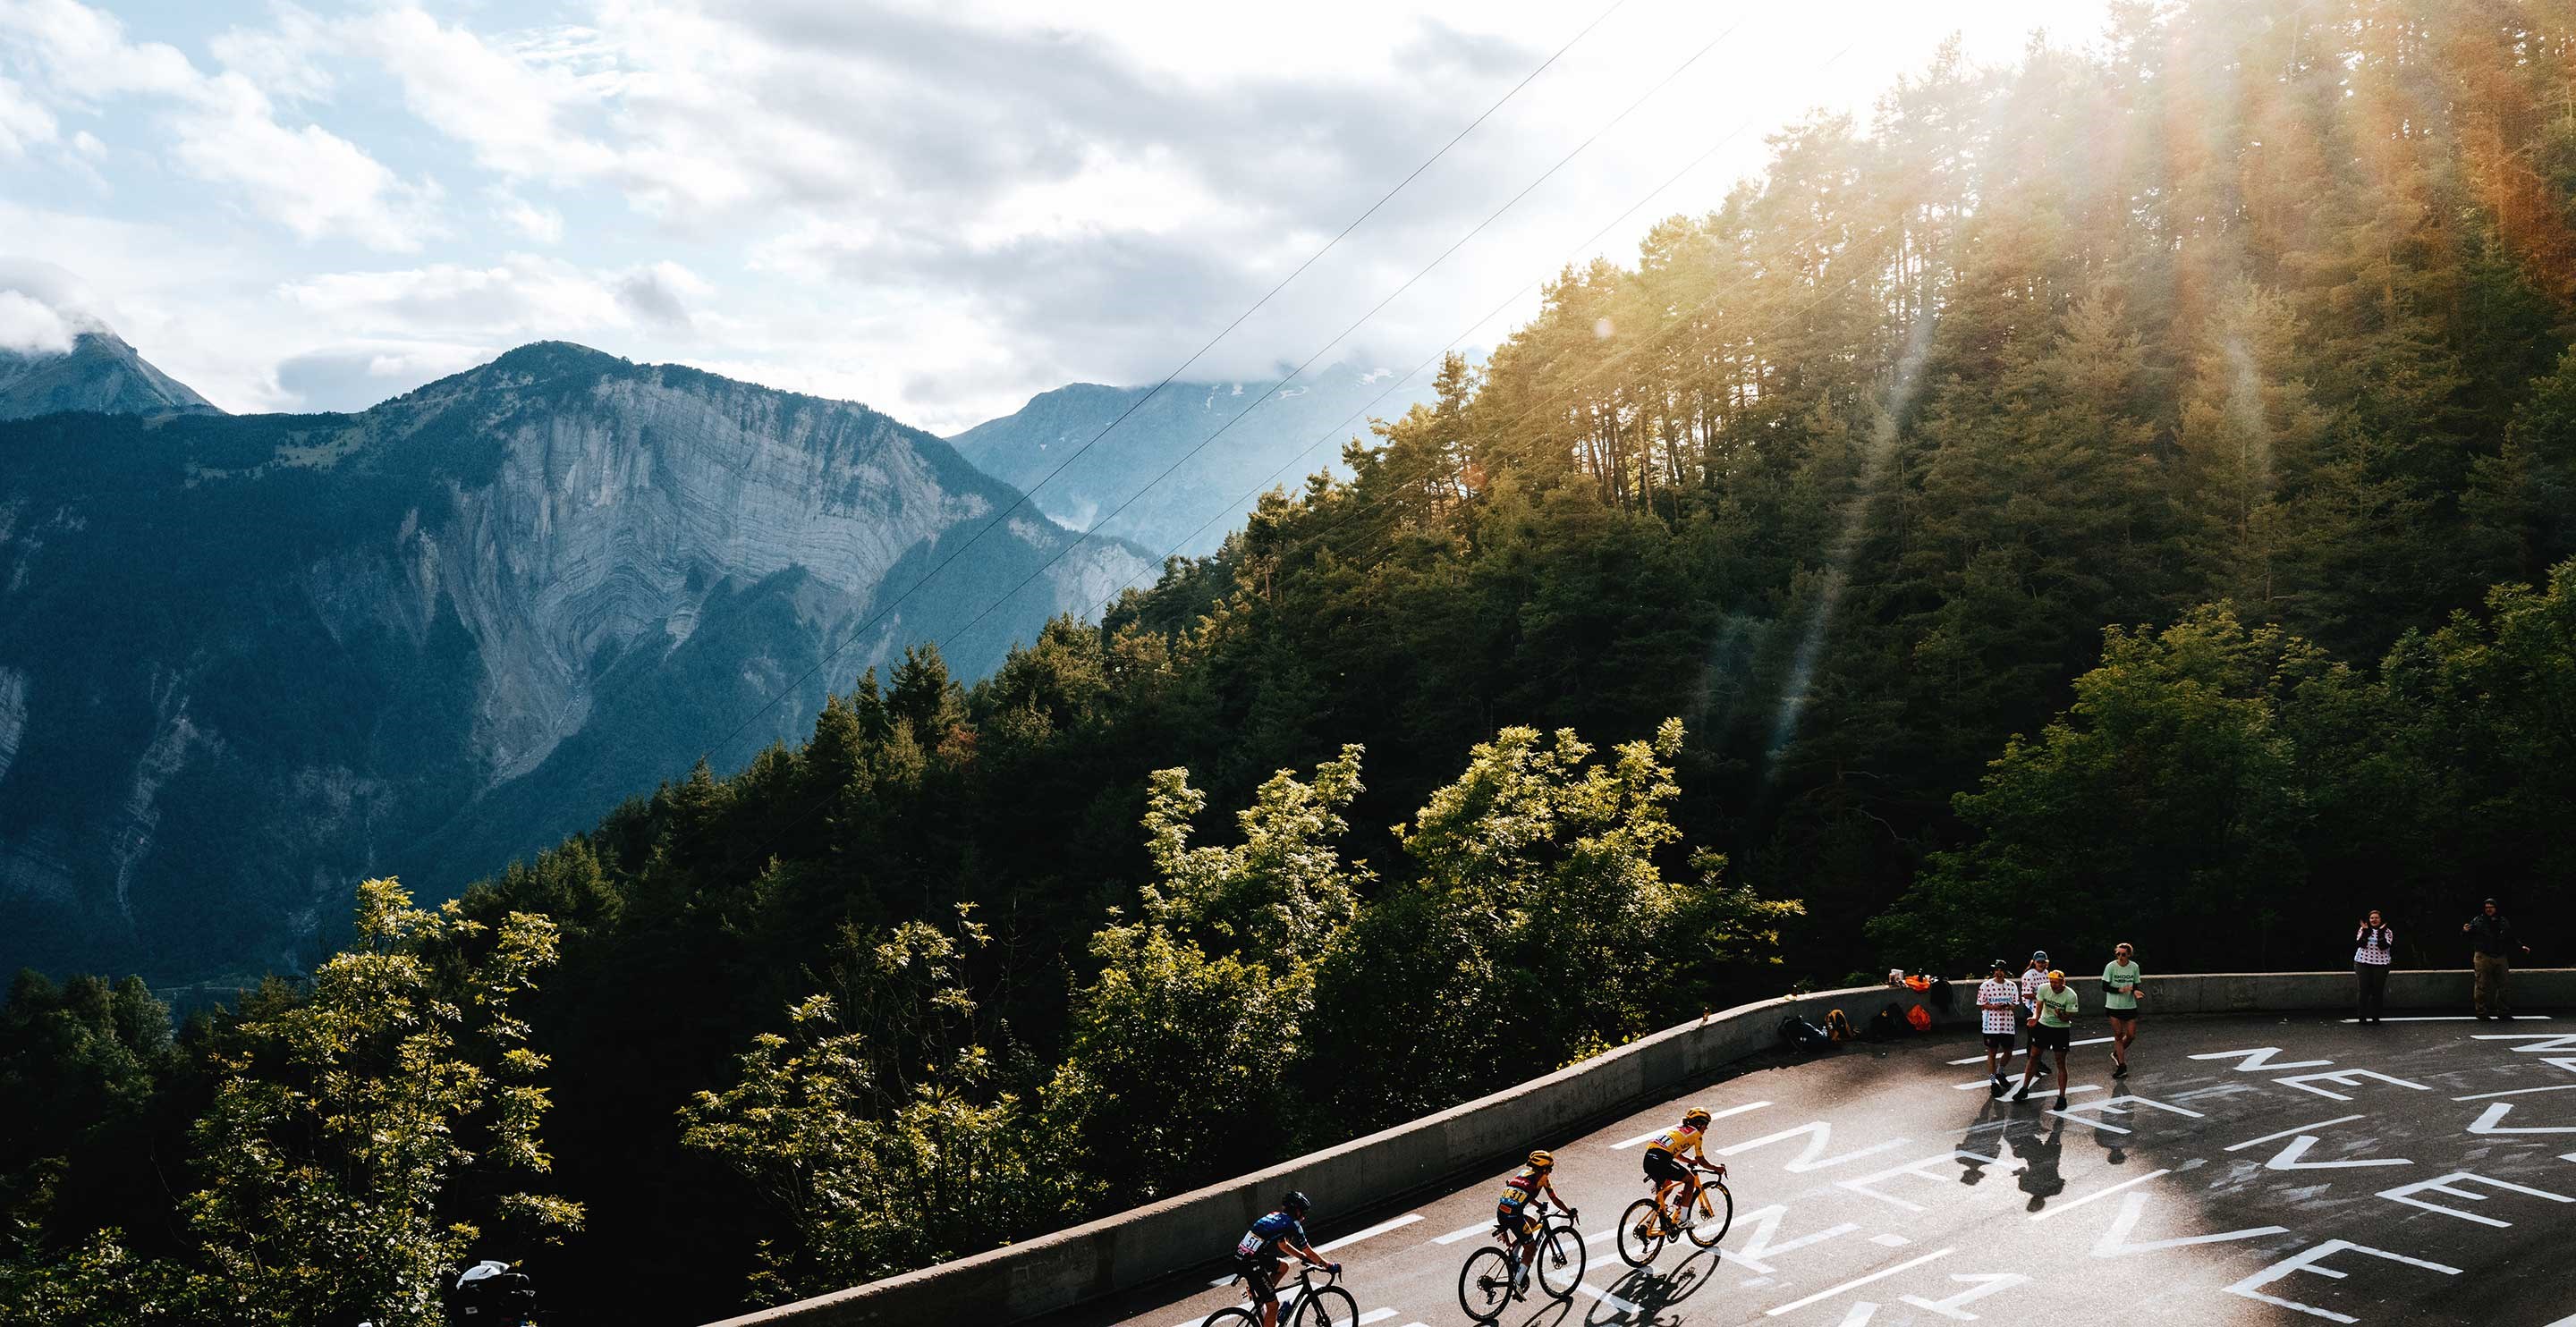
(1999, 1001)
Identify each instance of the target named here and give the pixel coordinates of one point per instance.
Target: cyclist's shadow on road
(1651, 1291)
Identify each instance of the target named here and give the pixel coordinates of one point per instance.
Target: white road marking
(1610, 1299)
(1860, 1315)
(2493, 1122)
(1375, 1315)
(2448, 1186)
(1891, 1241)
(1468, 1232)
(1599, 1235)
(2310, 1260)
(1713, 1116)
(1356, 1236)
(2115, 1242)
(2519, 1091)
(2098, 1193)
(1379, 1229)
(2122, 1105)
(1880, 1275)
(2288, 1158)
(1981, 1059)
(2342, 1078)
(2458, 1018)
(2285, 1133)
(2543, 1043)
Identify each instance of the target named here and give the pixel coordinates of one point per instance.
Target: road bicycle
(1311, 1305)
(1493, 1276)
(1700, 1211)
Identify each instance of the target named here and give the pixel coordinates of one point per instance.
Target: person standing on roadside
(2057, 1008)
(2493, 939)
(1999, 1005)
(2033, 977)
(2120, 992)
(2374, 951)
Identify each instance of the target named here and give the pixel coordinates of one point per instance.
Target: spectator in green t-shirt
(2120, 992)
(2057, 1006)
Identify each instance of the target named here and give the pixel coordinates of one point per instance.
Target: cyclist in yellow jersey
(1665, 1154)
(1513, 1220)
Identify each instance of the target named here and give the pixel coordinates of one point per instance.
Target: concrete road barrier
(1118, 1252)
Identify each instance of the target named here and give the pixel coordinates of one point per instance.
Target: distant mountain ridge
(1205, 498)
(99, 373)
(245, 660)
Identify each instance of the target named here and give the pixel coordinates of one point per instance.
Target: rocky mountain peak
(100, 373)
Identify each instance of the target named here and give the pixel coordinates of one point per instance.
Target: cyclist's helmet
(1295, 1202)
(1542, 1159)
(1695, 1116)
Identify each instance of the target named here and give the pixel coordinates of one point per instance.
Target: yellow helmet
(1542, 1159)
(1695, 1115)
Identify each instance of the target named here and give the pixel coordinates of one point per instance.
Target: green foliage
(344, 1120)
(1184, 1047)
(360, 1136)
(1537, 924)
(864, 1164)
(2216, 789)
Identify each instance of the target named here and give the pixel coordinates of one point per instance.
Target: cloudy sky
(936, 208)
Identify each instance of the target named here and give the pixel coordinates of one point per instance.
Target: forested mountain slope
(245, 661)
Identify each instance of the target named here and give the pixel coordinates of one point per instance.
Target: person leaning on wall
(2492, 938)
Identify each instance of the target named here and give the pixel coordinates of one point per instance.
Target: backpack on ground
(1803, 1035)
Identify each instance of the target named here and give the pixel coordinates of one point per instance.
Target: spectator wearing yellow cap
(2057, 1007)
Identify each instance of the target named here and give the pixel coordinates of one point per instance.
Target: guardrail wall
(1117, 1252)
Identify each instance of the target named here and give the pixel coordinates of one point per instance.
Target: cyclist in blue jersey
(1259, 1257)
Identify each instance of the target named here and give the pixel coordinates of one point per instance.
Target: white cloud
(224, 128)
(283, 59)
(28, 327)
(509, 105)
(23, 123)
(524, 295)
(544, 225)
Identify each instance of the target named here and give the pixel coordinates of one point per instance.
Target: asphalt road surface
(2250, 1170)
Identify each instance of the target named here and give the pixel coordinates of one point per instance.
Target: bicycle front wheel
(1715, 1212)
(1329, 1306)
(1485, 1284)
(1641, 1233)
(1560, 1261)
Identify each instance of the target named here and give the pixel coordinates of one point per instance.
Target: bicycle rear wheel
(1641, 1233)
(1714, 1213)
(1485, 1284)
(1232, 1318)
(1329, 1306)
(1560, 1261)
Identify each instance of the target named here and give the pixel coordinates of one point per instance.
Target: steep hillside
(246, 660)
(1206, 496)
(99, 373)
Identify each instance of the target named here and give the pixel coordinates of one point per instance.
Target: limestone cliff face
(244, 661)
